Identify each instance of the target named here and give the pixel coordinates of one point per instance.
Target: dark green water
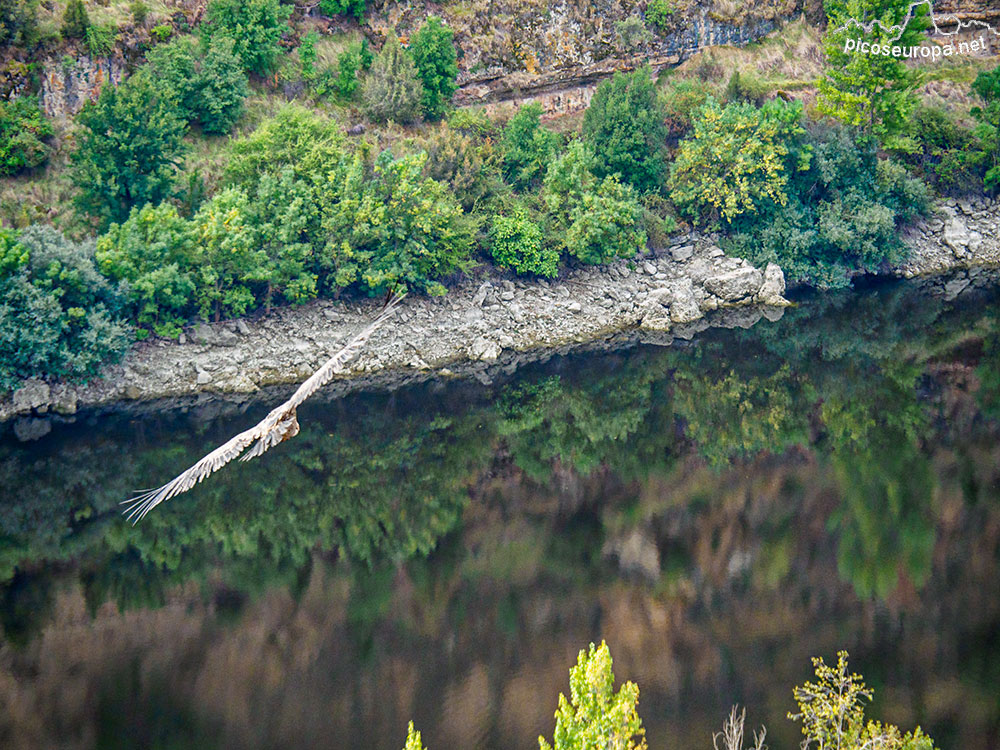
(718, 512)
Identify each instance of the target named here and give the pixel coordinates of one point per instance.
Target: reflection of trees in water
(749, 548)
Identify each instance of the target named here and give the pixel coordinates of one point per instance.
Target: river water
(718, 512)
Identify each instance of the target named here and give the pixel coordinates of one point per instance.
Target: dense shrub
(228, 259)
(516, 243)
(987, 87)
(296, 137)
(354, 8)
(434, 55)
(841, 215)
(23, 130)
(737, 160)
(527, 148)
(255, 26)
(129, 146)
(625, 130)
(101, 39)
(946, 154)
(154, 253)
(18, 22)
(467, 165)
(395, 227)
(348, 64)
(283, 217)
(658, 13)
(58, 315)
(681, 100)
(591, 219)
(392, 90)
(222, 88)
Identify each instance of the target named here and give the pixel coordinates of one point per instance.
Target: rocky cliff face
(69, 83)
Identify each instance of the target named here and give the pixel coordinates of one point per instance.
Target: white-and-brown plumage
(279, 425)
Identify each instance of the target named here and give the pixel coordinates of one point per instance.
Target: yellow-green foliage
(736, 160)
(596, 717)
(413, 739)
(832, 714)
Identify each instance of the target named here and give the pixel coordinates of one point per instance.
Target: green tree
(348, 63)
(255, 26)
(873, 92)
(393, 226)
(296, 137)
(221, 88)
(527, 147)
(129, 147)
(987, 87)
(658, 14)
(392, 90)
(433, 51)
(596, 717)
(75, 20)
(174, 67)
(228, 261)
(23, 132)
(593, 220)
(624, 127)
(354, 8)
(832, 714)
(18, 22)
(516, 242)
(307, 55)
(737, 159)
(153, 252)
(58, 315)
(282, 218)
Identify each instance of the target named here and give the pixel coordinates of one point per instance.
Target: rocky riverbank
(484, 325)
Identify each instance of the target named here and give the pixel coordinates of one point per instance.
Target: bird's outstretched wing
(277, 426)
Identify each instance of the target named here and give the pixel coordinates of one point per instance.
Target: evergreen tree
(527, 147)
(624, 126)
(873, 92)
(255, 26)
(392, 90)
(75, 20)
(129, 148)
(434, 54)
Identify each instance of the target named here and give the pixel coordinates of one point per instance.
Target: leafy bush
(255, 26)
(296, 137)
(348, 63)
(434, 55)
(658, 13)
(746, 87)
(221, 88)
(516, 242)
(282, 218)
(841, 214)
(307, 55)
(737, 160)
(58, 315)
(154, 253)
(624, 127)
(681, 100)
(354, 8)
(392, 90)
(592, 220)
(946, 154)
(101, 39)
(631, 35)
(75, 20)
(527, 147)
(987, 87)
(23, 130)
(393, 227)
(467, 165)
(596, 716)
(129, 146)
(162, 32)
